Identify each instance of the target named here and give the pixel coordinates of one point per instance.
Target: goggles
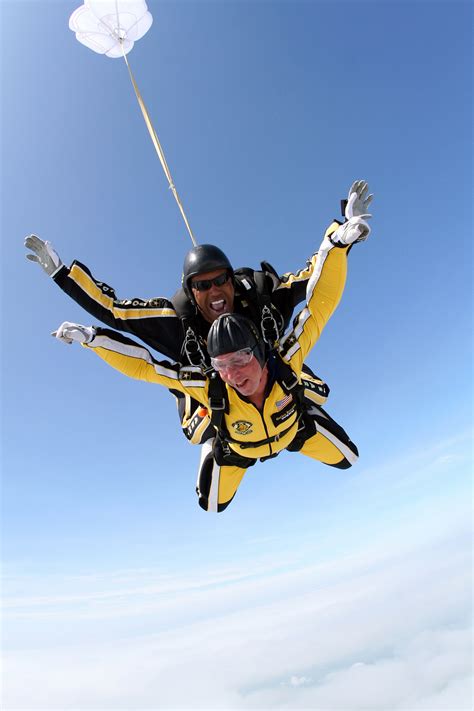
(232, 360)
(205, 284)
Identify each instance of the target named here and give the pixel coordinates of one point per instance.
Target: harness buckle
(290, 384)
(193, 349)
(269, 327)
(217, 403)
(225, 447)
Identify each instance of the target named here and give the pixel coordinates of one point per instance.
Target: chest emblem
(242, 427)
(280, 404)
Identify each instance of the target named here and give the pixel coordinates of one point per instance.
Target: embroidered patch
(317, 385)
(242, 427)
(284, 415)
(280, 404)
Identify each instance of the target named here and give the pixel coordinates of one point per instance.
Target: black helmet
(203, 258)
(232, 332)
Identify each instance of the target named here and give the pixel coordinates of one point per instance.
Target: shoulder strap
(193, 346)
(272, 324)
(255, 287)
(183, 305)
(218, 402)
(267, 267)
(289, 380)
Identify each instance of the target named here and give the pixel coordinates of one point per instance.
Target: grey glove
(69, 332)
(44, 254)
(358, 200)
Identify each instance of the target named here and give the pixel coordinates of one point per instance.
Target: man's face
(216, 300)
(244, 378)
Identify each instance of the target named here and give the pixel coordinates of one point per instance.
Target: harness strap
(268, 324)
(218, 402)
(260, 443)
(289, 381)
(192, 348)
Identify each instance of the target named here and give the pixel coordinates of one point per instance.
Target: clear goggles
(232, 360)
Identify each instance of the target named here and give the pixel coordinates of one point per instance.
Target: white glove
(356, 229)
(44, 254)
(70, 332)
(358, 201)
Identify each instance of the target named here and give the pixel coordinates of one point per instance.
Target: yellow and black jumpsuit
(156, 322)
(254, 433)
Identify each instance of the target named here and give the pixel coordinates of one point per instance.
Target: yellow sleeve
(289, 280)
(323, 294)
(135, 361)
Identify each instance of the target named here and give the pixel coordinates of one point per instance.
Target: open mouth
(218, 306)
(241, 385)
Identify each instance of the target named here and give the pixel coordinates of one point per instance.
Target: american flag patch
(280, 404)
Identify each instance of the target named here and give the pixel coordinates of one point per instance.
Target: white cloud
(299, 680)
(377, 635)
(382, 625)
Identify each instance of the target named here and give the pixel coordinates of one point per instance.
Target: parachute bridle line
(157, 144)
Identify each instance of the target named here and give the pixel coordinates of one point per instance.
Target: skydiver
(178, 328)
(259, 399)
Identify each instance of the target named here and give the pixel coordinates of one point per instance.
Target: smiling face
(247, 379)
(214, 301)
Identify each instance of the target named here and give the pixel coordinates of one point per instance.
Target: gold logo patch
(242, 427)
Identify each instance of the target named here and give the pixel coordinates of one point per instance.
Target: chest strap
(260, 443)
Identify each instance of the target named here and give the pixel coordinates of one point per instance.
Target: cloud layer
(358, 633)
(369, 609)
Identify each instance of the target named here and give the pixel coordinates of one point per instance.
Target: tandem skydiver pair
(247, 395)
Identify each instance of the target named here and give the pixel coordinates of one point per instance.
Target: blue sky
(317, 588)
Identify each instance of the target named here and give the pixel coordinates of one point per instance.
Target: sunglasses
(232, 360)
(205, 284)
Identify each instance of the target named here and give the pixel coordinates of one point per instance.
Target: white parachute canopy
(111, 27)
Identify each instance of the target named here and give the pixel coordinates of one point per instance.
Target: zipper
(265, 426)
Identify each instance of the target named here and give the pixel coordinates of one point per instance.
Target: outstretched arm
(295, 283)
(292, 287)
(326, 285)
(134, 360)
(154, 321)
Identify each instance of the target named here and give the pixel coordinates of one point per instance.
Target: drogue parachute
(111, 27)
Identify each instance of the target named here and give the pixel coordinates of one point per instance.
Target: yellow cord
(158, 148)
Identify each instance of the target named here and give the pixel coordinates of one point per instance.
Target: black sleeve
(154, 320)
